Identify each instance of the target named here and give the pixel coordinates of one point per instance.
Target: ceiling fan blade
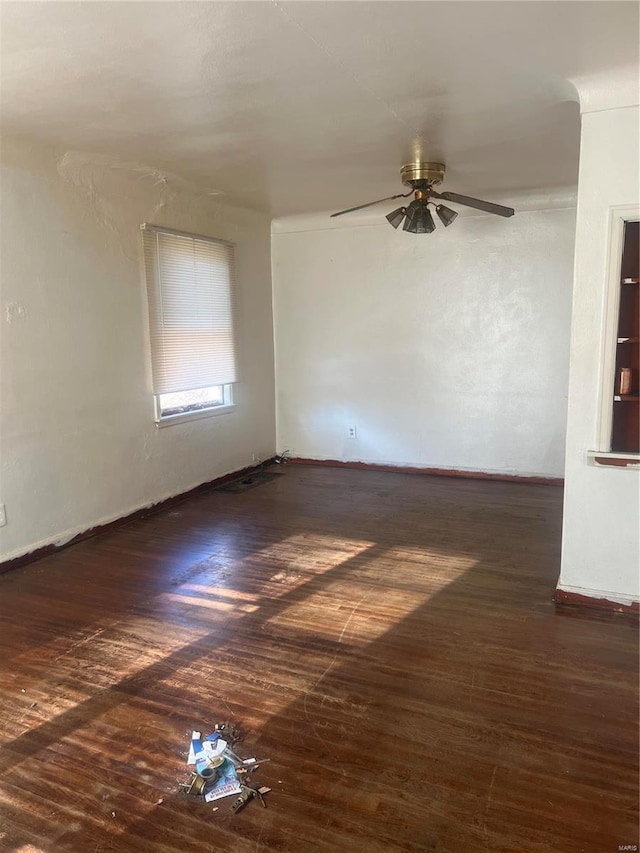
(487, 206)
(371, 203)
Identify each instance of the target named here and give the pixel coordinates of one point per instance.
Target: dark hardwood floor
(389, 640)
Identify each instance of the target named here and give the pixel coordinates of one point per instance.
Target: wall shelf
(625, 433)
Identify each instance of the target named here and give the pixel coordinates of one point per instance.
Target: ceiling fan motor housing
(422, 175)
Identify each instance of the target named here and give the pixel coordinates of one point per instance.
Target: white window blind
(190, 289)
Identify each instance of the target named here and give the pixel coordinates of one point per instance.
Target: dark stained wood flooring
(389, 640)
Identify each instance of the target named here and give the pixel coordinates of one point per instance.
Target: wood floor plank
(390, 641)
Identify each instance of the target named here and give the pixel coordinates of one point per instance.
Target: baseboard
(438, 472)
(143, 512)
(576, 603)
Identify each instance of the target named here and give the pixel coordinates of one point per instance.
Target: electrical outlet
(352, 432)
(3, 516)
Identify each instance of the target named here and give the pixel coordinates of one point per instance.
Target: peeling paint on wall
(14, 311)
(104, 182)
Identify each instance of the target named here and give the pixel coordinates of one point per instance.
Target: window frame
(228, 404)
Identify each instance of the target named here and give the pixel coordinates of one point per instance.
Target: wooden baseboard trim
(438, 472)
(143, 512)
(573, 603)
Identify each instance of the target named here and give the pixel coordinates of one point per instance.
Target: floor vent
(243, 484)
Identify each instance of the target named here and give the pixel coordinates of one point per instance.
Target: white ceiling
(292, 107)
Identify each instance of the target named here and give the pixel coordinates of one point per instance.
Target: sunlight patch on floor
(221, 592)
(209, 604)
(362, 629)
(342, 604)
(305, 553)
(28, 848)
(120, 652)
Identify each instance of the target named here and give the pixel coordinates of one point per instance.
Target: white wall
(446, 350)
(600, 554)
(79, 444)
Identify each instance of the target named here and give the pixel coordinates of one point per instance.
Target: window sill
(172, 420)
(607, 459)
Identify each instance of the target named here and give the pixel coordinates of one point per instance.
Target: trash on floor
(219, 770)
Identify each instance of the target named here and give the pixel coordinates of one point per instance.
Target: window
(190, 293)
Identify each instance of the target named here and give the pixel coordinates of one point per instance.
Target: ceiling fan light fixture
(445, 214)
(411, 215)
(419, 219)
(424, 221)
(396, 216)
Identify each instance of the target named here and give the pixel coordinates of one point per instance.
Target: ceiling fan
(422, 177)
